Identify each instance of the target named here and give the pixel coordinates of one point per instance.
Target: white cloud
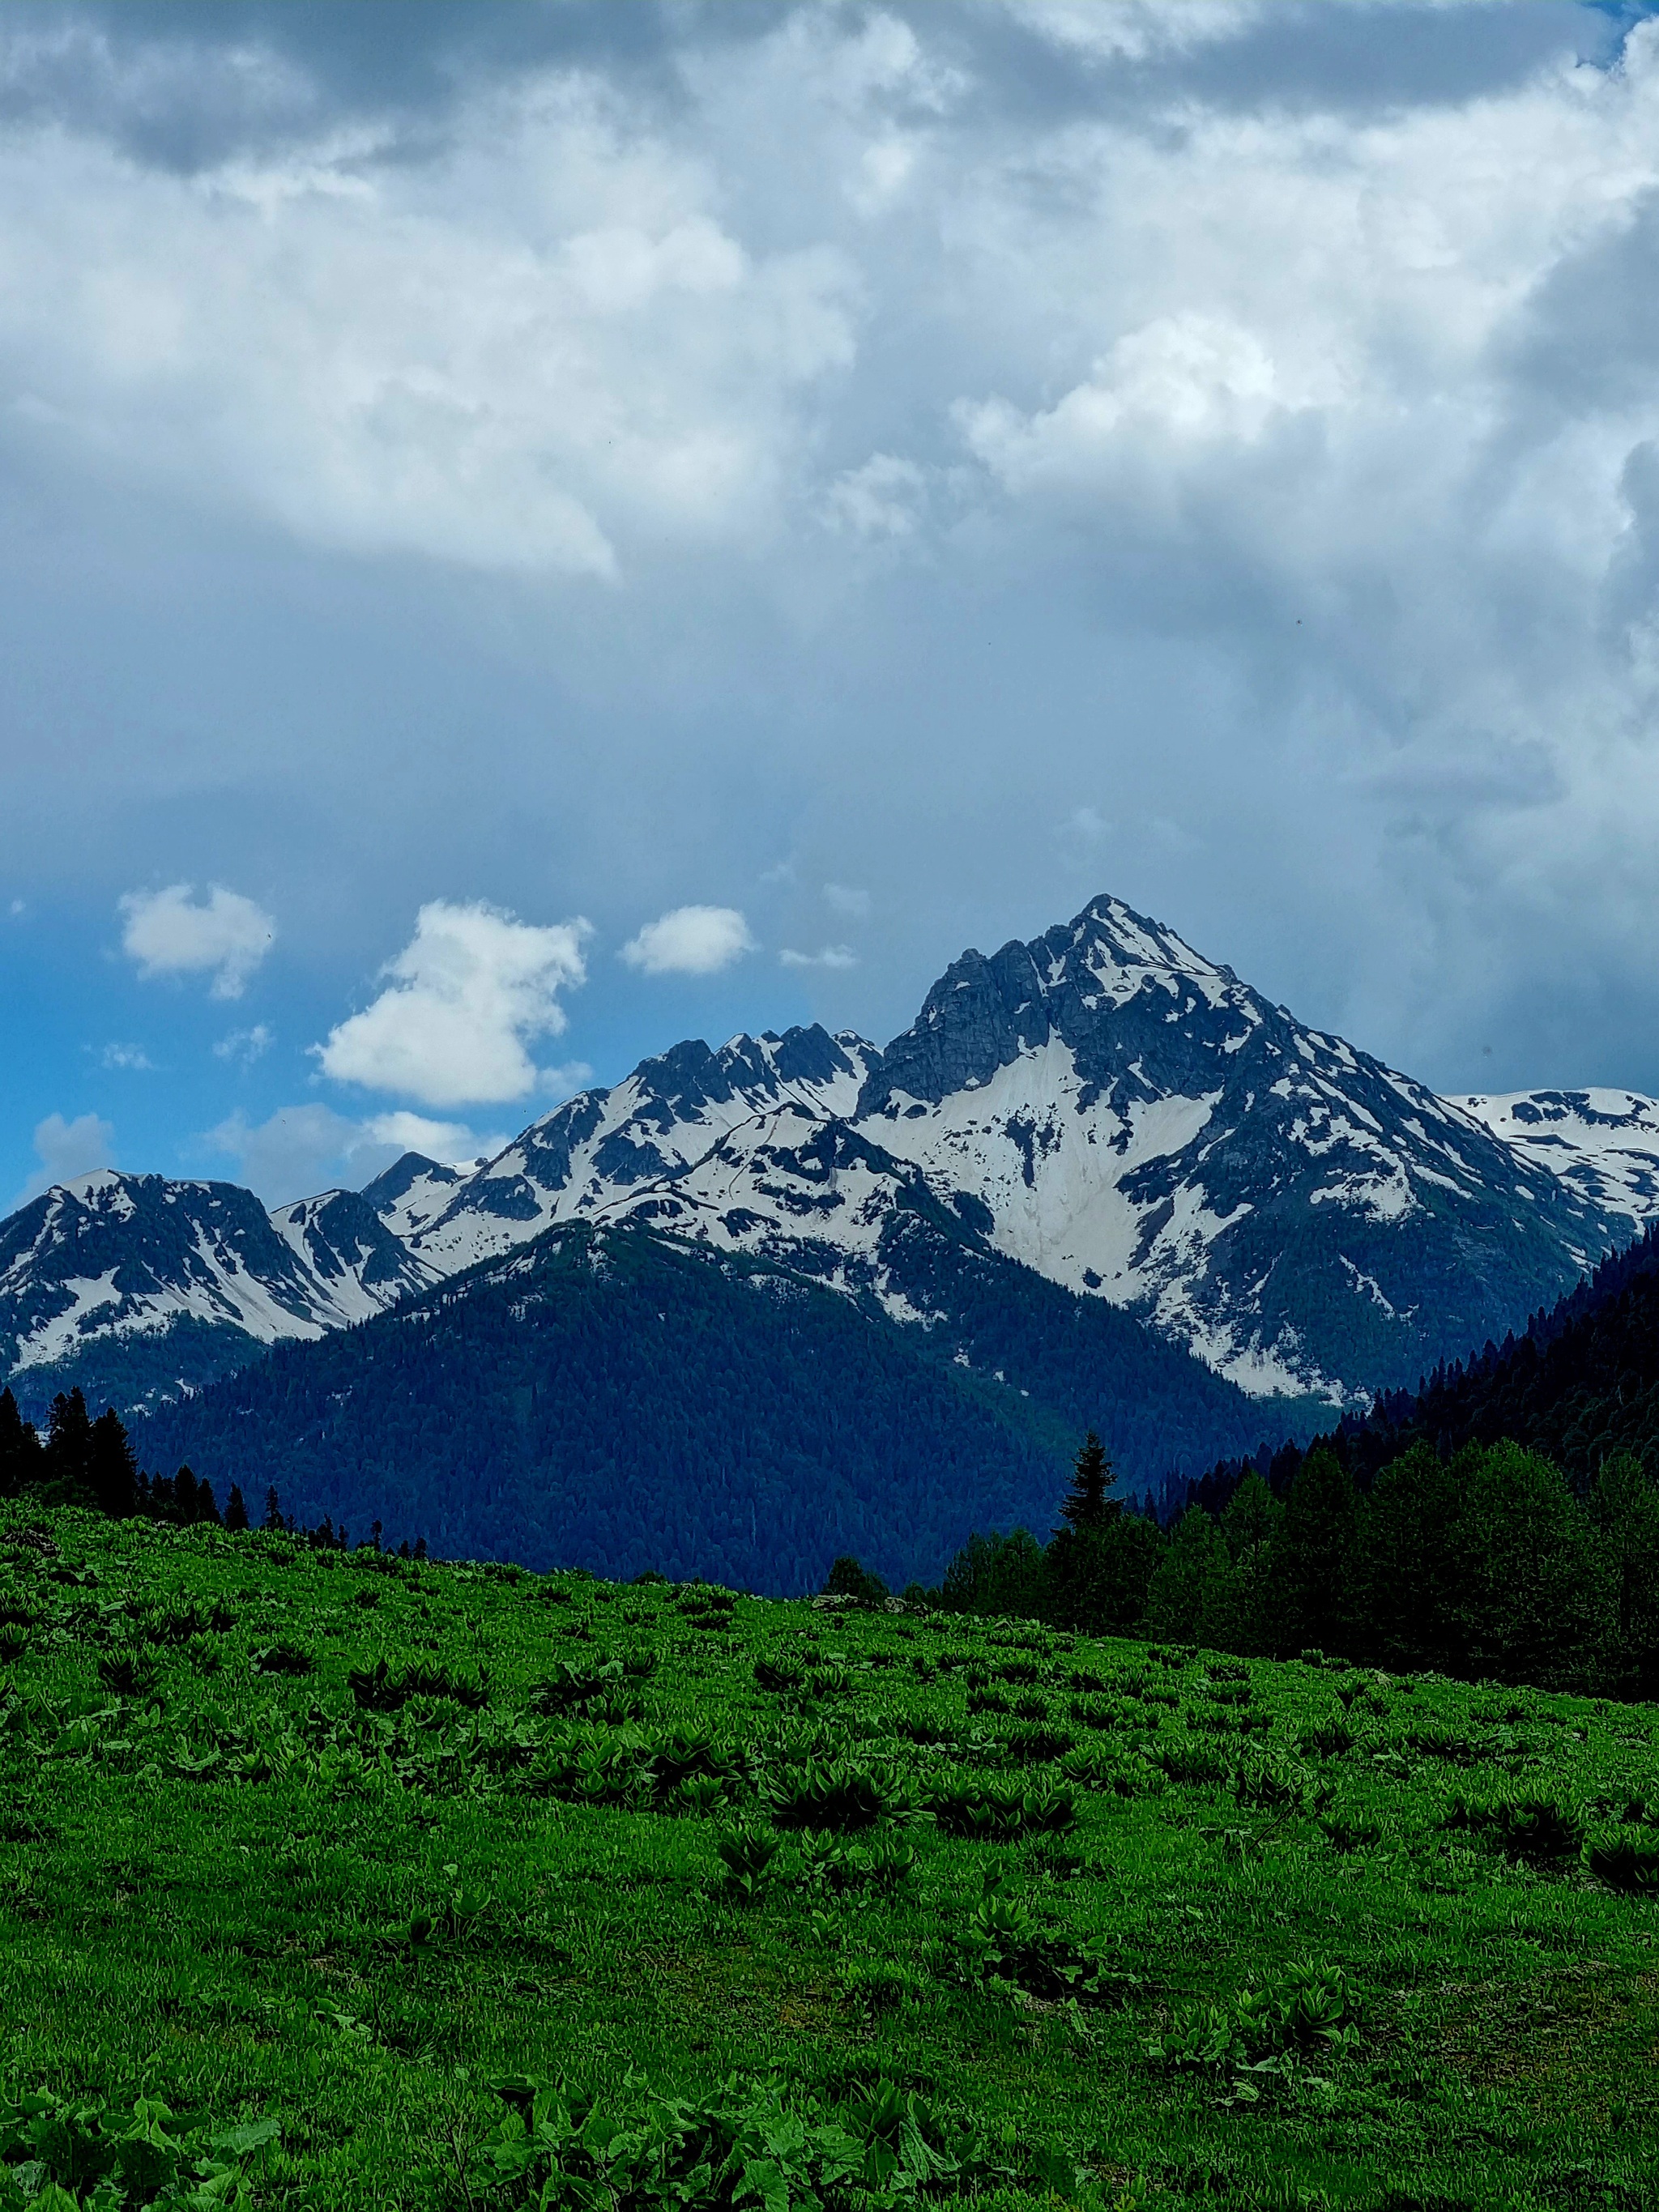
(846, 898)
(169, 933)
(299, 1151)
(454, 1143)
(692, 940)
(65, 1149)
(245, 1046)
(468, 992)
(520, 352)
(832, 956)
(1131, 30)
(882, 499)
(564, 1082)
(132, 1057)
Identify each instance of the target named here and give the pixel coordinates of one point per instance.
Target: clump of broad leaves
(60, 2156)
(1308, 2009)
(754, 2143)
(1003, 1945)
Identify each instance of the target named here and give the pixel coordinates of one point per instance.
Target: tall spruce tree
(112, 1466)
(1318, 1557)
(1086, 1504)
(68, 1470)
(235, 1511)
(19, 1451)
(1626, 1507)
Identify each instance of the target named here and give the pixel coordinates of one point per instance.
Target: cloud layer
(692, 940)
(300, 1151)
(66, 1149)
(911, 468)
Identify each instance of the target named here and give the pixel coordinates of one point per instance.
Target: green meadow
(335, 1880)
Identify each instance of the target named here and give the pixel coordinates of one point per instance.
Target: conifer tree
(273, 1520)
(69, 1447)
(1086, 1504)
(235, 1511)
(112, 1466)
(19, 1450)
(1626, 1506)
(185, 1508)
(1318, 1556)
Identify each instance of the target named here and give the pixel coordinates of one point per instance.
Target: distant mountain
(1117, 1113)
(1114, 1112)
(1139, 1122)
(145, 1286)
(614, 1397)
(1604, 1144)
(575, 1162)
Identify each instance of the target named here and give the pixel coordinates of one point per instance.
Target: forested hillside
(1581, 1383)
(619, 1400)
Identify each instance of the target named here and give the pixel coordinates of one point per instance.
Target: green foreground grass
(1242, 1933)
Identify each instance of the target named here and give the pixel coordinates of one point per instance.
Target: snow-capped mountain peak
(109, 1255)
(1104, 1104)
(573, 1161)
(1602, 1143)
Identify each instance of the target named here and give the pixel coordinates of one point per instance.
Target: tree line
(92, 1464)
(1485, 1561)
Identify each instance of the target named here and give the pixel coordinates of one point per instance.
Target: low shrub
(1627, 1863)
(834, 1795)
(377, 1690)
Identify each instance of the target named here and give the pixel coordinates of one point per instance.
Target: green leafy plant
(750, 1860)
(1307, 2006)
(836, 1793)
(989, 1811)
(1543, 1831)
(127, 1673)
(1627, 1863)
(56, 2153)
(1029, 1746)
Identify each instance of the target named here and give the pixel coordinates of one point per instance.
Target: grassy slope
(240, 1946)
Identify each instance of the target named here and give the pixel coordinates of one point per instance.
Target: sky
(529, 530)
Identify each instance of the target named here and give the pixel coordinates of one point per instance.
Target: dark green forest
(621, 1401)
(1501, 1521)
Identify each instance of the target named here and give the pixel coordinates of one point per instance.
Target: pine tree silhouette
(185, 1508)
(235, 1511)
(273, 1520)
(112, 1466)
(1086, 1504)
(68, 1448)
(19, 1450)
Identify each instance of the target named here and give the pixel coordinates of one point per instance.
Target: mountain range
(1104, 1106)
(1099, 1180)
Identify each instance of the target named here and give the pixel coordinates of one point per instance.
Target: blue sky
(478, 480)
